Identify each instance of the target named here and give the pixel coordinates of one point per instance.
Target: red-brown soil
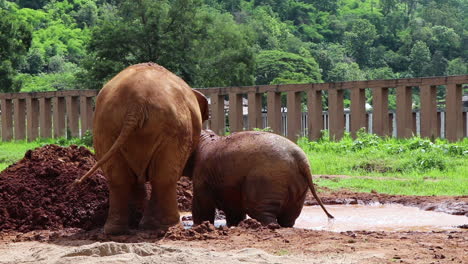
(36, 192)
(33, 196)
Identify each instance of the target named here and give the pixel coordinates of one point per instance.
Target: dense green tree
(380, 73)
(15, 40)
(457, 67)
(346, 72)
(34, 4)
(34, 62)
(445, 40)
(272, 33)
(420, 58)
(275, 65)
(181, 35)
(327, 56)
(438, 66)
(86, 14)
(231, 42)
(359, 40)
(330, 6)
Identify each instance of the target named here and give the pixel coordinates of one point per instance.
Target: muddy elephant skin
(146, 124)
(260, 174)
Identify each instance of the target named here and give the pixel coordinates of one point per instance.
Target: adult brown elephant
(146, 124)
(260, 174)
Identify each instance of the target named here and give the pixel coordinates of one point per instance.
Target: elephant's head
(206, 136)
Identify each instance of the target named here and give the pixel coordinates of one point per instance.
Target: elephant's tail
(133, 120)
(306, 172)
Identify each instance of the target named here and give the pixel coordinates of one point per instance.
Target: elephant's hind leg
(233, 218)
(164, 171)
(288, 216)
(203, 206)
(121, 181)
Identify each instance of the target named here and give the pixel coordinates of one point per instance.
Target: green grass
(411, 166)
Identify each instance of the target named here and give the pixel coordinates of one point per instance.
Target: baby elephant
(260, 174)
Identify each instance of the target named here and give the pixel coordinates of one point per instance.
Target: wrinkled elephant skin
(146, 124)
(260, 174)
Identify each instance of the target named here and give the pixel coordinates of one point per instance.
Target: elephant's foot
(115, 229)
(151, 223)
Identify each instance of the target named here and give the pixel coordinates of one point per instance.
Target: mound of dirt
(35, 192)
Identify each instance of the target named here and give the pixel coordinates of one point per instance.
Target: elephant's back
(251, 154)
(265, 146)
(146, 84)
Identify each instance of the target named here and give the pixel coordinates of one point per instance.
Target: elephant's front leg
(203, 206)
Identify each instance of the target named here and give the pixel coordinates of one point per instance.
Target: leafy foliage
(227, 42)
(15, 40)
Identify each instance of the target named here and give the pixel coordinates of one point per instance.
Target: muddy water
(386, 217)
(378, 217)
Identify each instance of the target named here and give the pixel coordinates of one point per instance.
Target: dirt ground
(251, 243)
(55, 239)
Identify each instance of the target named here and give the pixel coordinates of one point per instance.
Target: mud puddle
(377, 217)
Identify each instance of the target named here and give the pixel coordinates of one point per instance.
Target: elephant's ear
(203, 104)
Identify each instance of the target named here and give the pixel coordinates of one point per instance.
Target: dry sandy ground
(242, 245)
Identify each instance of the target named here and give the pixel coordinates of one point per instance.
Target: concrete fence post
(235, 112)
(404, 112)
(294, 115)
(19, 118)
(380, 116)
(255, 110)
(217, 113)
(336, 112)
(45, 120)
(358, 110)
(274, 111)
(72, 106)
(32, 112)
(59, 117)
(315, 117)
(453, 104)
(428, 118)
(7, 120)
(86, 114)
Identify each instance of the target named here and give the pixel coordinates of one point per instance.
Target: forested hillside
(79, 44)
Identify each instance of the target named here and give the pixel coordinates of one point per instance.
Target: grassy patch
(413, 166)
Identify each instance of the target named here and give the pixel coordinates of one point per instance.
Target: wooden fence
(55, 114)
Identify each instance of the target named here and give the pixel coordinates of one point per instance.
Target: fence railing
(55, 114)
